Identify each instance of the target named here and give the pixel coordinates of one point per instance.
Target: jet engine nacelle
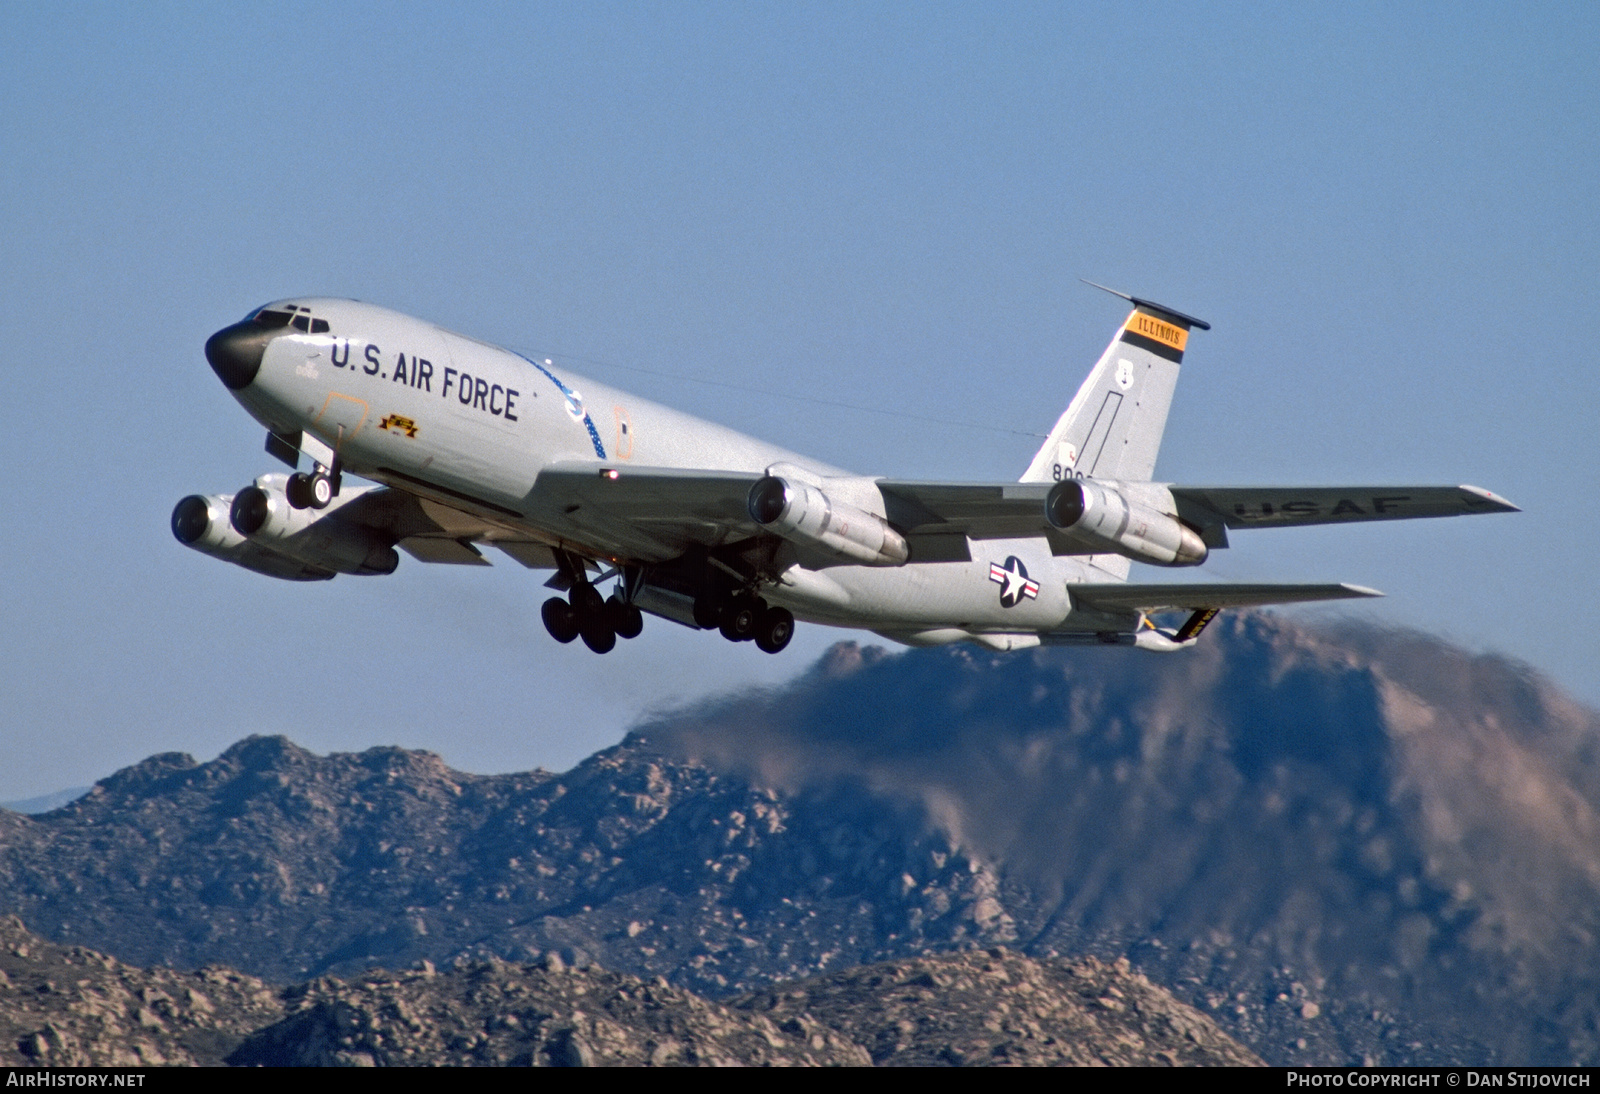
(261, 513)
(201, 522)
(803, 514)
(1100, 515)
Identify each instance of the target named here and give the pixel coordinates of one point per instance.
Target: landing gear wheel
(319, 490)
(739, 618)
(299, 490)
(594, 622)
(626, 619)
(559, 619)
(774, 630)
(707, 612)
(598, 635)
(587, 602)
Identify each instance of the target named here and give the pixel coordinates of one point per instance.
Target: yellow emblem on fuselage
(400, 424)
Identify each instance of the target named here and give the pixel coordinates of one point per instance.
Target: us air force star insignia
(1013, 581)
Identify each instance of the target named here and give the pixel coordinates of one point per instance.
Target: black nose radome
(235, 352)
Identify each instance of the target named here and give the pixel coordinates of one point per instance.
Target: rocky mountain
(1343, 845)
(45, 803)
(73, 1007)
(68, 1006)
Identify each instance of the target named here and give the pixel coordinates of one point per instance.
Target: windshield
(290, 315)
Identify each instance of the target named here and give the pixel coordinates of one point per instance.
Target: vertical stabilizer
(1113, 427)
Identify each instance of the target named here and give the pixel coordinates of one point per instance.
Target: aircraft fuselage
(478, 446)
(472, 425)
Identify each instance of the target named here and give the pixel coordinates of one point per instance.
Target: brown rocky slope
(1344, 846)
(70, 1006)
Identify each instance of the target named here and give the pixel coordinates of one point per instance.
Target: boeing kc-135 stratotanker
(473, 446)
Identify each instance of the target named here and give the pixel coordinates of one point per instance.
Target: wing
(655, 513)
(431, 532)
(997, 510)
(928, 511)
(1275, 506)
(651, 513)
(1195, 597)
(974, 509)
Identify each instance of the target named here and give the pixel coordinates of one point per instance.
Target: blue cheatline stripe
(572, 396)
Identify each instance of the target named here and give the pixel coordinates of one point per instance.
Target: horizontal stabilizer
(1157, 598)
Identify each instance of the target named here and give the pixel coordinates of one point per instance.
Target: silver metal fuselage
(471, 426)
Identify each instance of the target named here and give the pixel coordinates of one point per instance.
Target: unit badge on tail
(1013, 581)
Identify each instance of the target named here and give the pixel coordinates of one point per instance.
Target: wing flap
(442, 549)
(1193, 597)
(652, 512)
(535, 556)
(654, 493)
(978, 510)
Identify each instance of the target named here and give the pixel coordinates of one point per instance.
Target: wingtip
(1487, 501)
(1359, 590)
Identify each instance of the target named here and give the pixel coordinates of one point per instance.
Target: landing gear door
(341, 418)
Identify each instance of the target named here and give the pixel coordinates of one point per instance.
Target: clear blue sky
(1388, 213)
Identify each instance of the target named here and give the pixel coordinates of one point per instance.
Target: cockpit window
(295, 316)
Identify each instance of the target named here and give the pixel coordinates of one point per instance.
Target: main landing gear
(598, 620)
(737, 612)
(745, 618)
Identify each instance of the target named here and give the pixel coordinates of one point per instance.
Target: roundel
(1015, 584)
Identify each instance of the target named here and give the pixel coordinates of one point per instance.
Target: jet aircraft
(465, 446)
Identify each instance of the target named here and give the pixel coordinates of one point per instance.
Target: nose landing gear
(313, 491)
(316, 490)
